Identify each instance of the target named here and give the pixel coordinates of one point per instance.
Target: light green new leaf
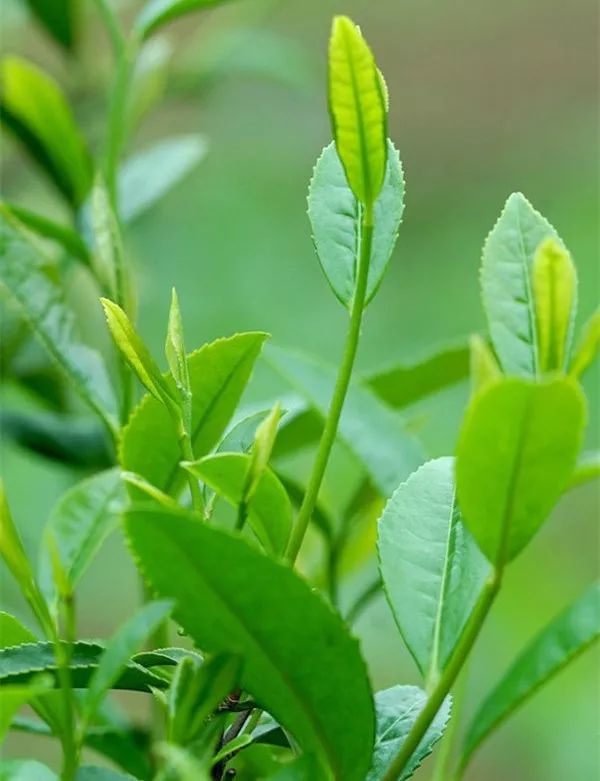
(158, 12)
(240, 437)
(108, 260)
(303, 768)
(262, 448)
(484, 367)
(269, 508)
(148, 175)
(506, 285)
(25, 770)
(358, 112)
(136, 353)
(23, 273)
(396, 712)
(558, 644)
(175, 349)
(232, 599)
(12, 550)
(516, 453)
(431, 568)
(404, 384)
(12, 631)
(80, 523)
(372, 431)
(34, 106)
(12, 698)
(588, 346)
(150, 77)
(119, 651)
(219, 372)
(335, 218)
(554, 281)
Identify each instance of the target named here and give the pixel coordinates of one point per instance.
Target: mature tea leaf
(119, 651)
(404, 384)
(558, 644)
(371, 430)
(588, 346)
(33, 105)
(431, 567)
(358, 112)
(80, 523)
(269, 508)
(219, 372)
(304, 768)
(59, 17)
(232, 599)
(516, 453)
(158, 12)
(23, 274)
(506, 285)
(554, 281)
(335, 219)
(396, 712)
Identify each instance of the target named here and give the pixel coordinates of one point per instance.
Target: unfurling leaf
(264, 440)
(588, 346)
(107, 259)
(506, 287)
(358, 112)
(554, 280)
(484, 367)
(516, 453)
(175, 349)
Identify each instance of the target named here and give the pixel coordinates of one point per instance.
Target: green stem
(340, 390)
(445, 753)
(187, 451)
(113, 28)
(454, 666)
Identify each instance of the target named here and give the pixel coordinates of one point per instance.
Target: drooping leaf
(269, 508)
(119, 651)
(558, 644)
(335, 216)
(371, 430)
(554, 281)
(431, 567)
(12, 698)
(25, 770)
(516, 453)
(158, 12)
(588, 346)
(80, 523)
(18, 664)
(34, 107)
(396, 711)
(40, 301)
(404, 384)
(48, 229)
(586, 469)
(59, 18)
(263, 611)
(148, 175)
(219, 372)
(506, 284)
(358, 112)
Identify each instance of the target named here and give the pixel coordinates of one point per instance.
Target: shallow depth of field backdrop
(487, 98)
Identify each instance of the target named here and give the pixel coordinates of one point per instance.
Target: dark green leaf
(335, 217)
(300, 663)
(397, 710)
(431, 567)
(564, 639)
(59, 17)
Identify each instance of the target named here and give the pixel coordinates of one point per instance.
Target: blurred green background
(486, 98)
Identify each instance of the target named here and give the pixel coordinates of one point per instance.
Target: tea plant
(269, 681)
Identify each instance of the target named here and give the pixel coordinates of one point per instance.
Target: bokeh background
(486, 98)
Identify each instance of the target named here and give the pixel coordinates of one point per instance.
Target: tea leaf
(335, 219)
(232, 599)
(35, 108)
(558, 644)
(371, 430)
(12, 698)
(484, 368)
(588, 346)
(148, 175)
(506, 285)
(12, 632)
(404, 384)
(69, 240)
(25, 770)
(262, 448)
(92, 773)
(431, 567)
(269, 508)
(586, 469)
(526, 437)
(136, 353)
(555, 292)
(118, 652)
(175, 349)
(219, 372)
(80, 523)
(59, 17)
(358, 113)
(150, 77)
(158, 12)
(18, 664)
(108, 260)
(396, 712)
(23, 274)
